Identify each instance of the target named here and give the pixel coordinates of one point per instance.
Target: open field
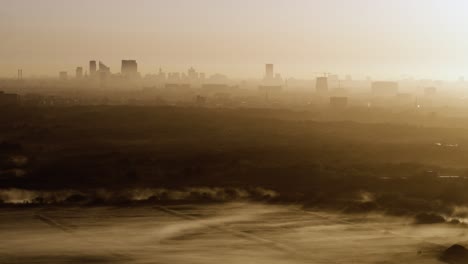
(223, 233)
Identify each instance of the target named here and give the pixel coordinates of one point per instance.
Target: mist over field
(220, 131)
(141, 189)
(233, 232)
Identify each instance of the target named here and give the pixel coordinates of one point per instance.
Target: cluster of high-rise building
(271, 78)
(129, 69)
(272, 82)
(190, 77)
(100, 71)
(325, 89)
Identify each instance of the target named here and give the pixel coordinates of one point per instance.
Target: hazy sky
(425, 38)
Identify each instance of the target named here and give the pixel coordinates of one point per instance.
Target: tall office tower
(161, 75)
(192, 74)
(269, 73)
(321, 85)
(103, 68)
(92, 68)
(63, 75)
(79, 72)
(104, 74)
(129, 68)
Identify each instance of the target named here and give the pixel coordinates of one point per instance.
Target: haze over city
(222, 131)
(383, 39)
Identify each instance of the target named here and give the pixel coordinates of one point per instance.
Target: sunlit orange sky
(381, 38)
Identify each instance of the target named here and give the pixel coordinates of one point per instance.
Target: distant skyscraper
(92, 68)
(321, 85)
(79, 72)
(63, 75)
(104, 73)
(161, 75)
(269, 72)
(192, 74)
(103, 68)
(129, 68)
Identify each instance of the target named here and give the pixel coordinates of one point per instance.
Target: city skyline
(239, 131)
(126, 65)
(361, 38)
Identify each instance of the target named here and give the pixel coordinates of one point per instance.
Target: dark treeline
(315, 163)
